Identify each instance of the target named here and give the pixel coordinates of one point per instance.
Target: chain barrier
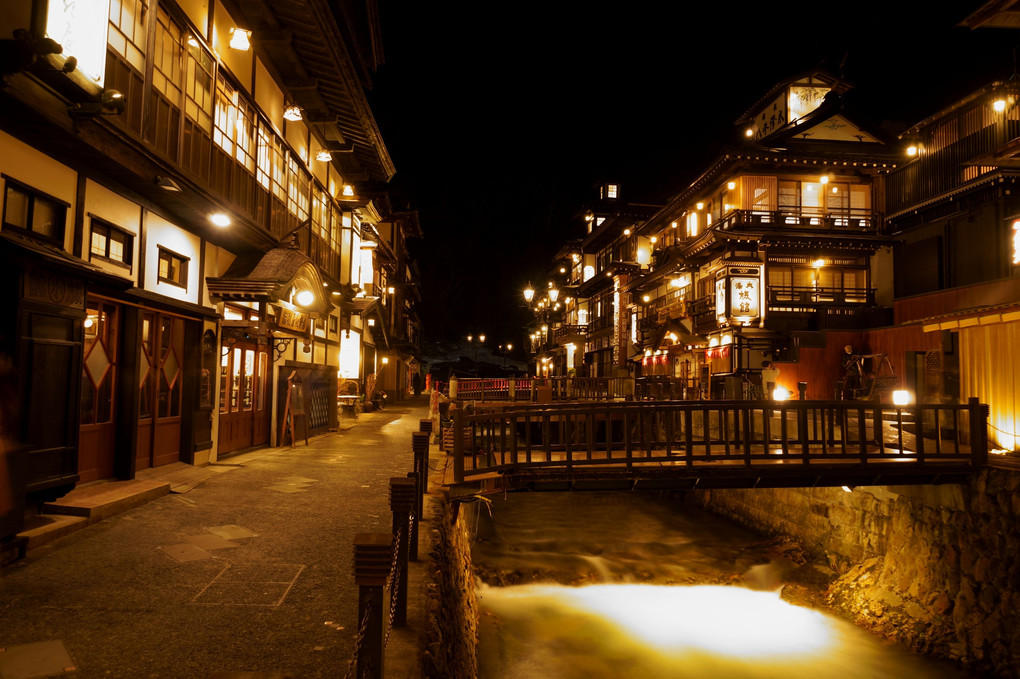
(394, 584)
(359, 640)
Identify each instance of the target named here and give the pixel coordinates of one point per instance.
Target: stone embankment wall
(452, 607)
(935, 567)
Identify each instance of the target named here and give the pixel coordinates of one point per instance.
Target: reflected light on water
(731, 621)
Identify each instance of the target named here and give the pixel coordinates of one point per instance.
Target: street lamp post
(475, 341)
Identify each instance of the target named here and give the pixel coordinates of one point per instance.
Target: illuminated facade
(186, 190)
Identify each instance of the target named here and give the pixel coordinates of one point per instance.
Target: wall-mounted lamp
(305, 298)
(220, 219)
(324, 156)
(239, 39)
(348, 191)
(529, 293)
(912, 150)
(292, 113)
(167, 184)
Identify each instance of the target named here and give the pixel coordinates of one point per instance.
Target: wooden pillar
(373, 553)
(402, 501)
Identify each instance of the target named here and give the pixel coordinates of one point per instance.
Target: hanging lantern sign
(738, 295)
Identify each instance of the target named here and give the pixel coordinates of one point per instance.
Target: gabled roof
(822, 77)
(268, 277)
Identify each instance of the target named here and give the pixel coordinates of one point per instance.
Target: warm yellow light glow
(529, 293)
(192, 41)
(553, 292)
(654, 240)
(545, 328)
(780, 394)
(999, 105)
(563, 269)
(731, 185)
(220, 219)
(901, 397)
(818, 263)
(1016, 242)
(911, 150)
(239, 39)
(644, 255)
(847, 489)
(305, 297)
(646, 299)
(700, 206)
(371, 322)
(324, 156)
(730, 621)
(673, 337)
(672, 225)
(292, 113)
(626, 232)
(824, 179)
(481, 338)
(749, 132)
(385, 360)
(588, 216)
(348, 191)
(390, 291)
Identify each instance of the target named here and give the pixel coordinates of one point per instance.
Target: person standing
(769, 377)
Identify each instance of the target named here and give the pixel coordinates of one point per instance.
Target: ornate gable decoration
(837, 128)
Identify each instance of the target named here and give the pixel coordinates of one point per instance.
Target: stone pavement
(245, 572)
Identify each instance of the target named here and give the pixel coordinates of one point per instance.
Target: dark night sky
(502, 117)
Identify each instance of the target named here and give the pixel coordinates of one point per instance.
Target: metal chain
(360, 639)
(394, 583)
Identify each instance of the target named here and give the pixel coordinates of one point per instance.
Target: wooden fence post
(402, 502)
(978, 432)
(373, 553)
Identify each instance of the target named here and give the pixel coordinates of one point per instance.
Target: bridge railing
(545, 389)
(713, 434)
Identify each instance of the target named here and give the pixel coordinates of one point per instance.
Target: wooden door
(244, 416)
(161, 370)
(96, 443)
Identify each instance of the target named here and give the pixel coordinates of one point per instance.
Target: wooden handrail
(709, 434)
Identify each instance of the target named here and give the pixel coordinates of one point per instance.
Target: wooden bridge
(679, 445)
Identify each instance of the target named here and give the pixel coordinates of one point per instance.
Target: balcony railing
(568, 331)
(803, 296)
(814, 219)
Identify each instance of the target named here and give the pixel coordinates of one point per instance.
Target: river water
(630, 585)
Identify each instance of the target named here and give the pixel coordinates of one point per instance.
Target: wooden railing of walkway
(543, 389)
(723, 443)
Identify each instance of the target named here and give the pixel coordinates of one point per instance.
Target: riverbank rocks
(452, 606)
(934, 567)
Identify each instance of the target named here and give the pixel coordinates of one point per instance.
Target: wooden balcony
(571, 334)
(804, 219)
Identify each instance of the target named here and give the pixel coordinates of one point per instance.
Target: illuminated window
(127, 31)
(173, 268)
(198, 86)
(612, 190)
(110, 243)
(167, 76)
(33, 212)
(298, 186)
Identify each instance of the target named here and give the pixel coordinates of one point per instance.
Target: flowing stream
(629, 585)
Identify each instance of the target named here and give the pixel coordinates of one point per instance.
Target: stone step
(45, 528)
(99, 501)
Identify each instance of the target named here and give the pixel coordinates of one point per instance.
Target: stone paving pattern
(249, 573)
